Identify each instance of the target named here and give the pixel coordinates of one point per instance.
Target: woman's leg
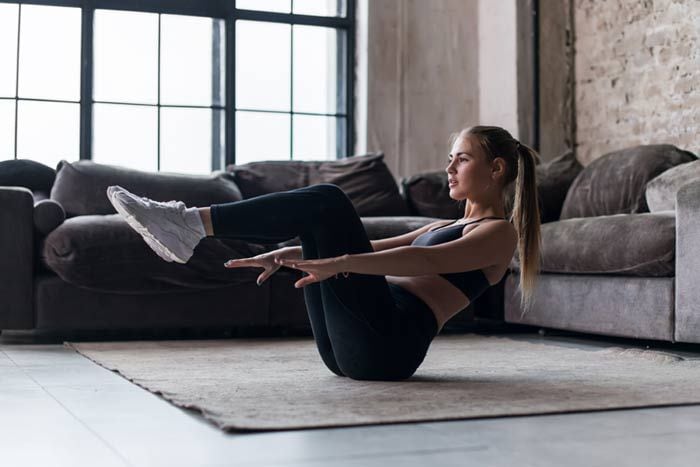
(359, 312)
(205, 214)
(314, 308)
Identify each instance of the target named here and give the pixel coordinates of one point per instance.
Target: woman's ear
(498, 168)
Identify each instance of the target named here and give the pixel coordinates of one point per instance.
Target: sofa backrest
(365, 179)
(29, 174)
(81, 186)
(615, 182)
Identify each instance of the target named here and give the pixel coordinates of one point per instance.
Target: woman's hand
(318, 269)
(266, 261)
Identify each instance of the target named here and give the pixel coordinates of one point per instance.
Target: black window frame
(218, 9)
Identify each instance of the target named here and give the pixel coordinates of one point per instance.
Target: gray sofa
(612, 267)
(71, 263)
(609, 264)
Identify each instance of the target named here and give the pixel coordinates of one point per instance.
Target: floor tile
(5, 360)
(40, 355)
(53, 399)
(37, 430)
(581, 426)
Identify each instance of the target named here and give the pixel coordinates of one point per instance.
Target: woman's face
(468, 173)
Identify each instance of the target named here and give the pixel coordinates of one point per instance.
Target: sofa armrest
(48, 214)
(688, 263)
(16, 258)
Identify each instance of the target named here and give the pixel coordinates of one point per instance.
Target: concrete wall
(637, 68)
(556, 75)
(422, 79)
(613, 74)
(498, 90)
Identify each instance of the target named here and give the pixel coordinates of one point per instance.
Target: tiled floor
(58, 408)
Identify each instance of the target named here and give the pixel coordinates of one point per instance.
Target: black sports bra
(471, 283)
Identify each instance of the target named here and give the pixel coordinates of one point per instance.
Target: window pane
(262, 65)
(125, 135)
(126, 57)
(7, 129)
(48, 131)
(49, 52)
(279, 6)
(8, 49)
(315, 137)
(262, 136)
(187, 61)
(186, 140)
(320, 7)
(316, 70)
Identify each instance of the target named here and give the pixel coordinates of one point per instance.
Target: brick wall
(637, 74)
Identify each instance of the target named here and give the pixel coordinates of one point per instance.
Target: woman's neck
(477, 212)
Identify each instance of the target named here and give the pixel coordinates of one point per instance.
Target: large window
(39, 82)
(176, 85)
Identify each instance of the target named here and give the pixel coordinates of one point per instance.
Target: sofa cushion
(621, 244)
(365, 179)
(427, 194)
(80, 187)
(661, 190)
(102, 252)
(615, 183)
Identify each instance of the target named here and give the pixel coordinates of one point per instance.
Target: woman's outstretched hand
(318, 269)
(265, 261)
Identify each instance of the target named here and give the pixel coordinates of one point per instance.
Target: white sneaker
(163, 226)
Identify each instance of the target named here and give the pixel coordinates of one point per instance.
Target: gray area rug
(275, 384)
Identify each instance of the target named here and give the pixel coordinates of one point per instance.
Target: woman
(377, 321)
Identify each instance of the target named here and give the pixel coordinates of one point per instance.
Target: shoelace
(179, 205)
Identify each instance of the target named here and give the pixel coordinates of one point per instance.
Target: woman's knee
(327, 188)
(372, 370)
(326, 352)
(332, 200)
(390, 375)
(330, 192)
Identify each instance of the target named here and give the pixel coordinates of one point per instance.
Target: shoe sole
(141, 229)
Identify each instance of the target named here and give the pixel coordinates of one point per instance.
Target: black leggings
(364, 327)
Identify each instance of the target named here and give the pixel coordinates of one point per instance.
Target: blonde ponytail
(526, 219)
(521, 161)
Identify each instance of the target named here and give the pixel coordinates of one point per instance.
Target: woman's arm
(404, 239)
(491, 243)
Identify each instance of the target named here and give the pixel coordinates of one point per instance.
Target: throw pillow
(366, 180)
(615, 182)
(259, 178)
(81, 186)
(661, 191)
(553, 181)
(428, 194)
